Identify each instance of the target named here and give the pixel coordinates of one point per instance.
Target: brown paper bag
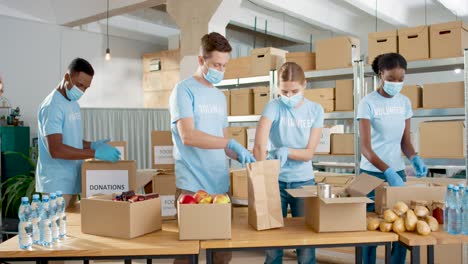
(264, 195)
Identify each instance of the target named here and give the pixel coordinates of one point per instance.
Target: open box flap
(346, 200)
(303, 192)
(363, 185)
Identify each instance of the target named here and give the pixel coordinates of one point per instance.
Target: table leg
(388, 253)
(86, 261)
(209, 256)
(194, 259)
(149, 261)
(128, 261)
(358, 255)
(430, 254)
(416, 255)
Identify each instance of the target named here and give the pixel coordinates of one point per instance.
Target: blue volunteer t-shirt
(198, 168)
(57, 115)
(291, 128)
(387, 118)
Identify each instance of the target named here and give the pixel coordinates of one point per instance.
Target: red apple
(187, 199)
(221, 199)
(207, 200)
(200, 195)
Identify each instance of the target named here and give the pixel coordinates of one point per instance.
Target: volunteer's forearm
(301, 154)
(374, 159)
(86, 144)
(199, 139)
(70, 153)
(260, 152)
(408, 150)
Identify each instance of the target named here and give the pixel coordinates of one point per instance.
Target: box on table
(414, 94)
(413, 43)
(227, 93)
(265, 59)
(242, 102)
(238, 68)
(164, 184)
(324, 146)
(336, 53)
(326, 214)
(448, 39)
(444, 95)
(239, 134)
(442, 139)
(304, 59)
(102, 177)
(344, 95)
(161, 150)
(342, 144)
(239, 184)
(381, 43)
(261, 99)
(121, 146)
(204, 221)
(103, 217)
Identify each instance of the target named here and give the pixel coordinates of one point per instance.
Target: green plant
(18, 186)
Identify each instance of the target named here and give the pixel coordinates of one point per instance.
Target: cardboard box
(320, 94)
(334, 179)
(242, 102)
(204, 221)
(157, 99)
(265, 59)
(328, 105)
(444, 95)
(161, 150)
(251, 138)
(448, 39)
(442, 139)
(101, 177)
(304, 59)
(161, 61)
(227, 93)
(381, 43)
(342, 144)
(164, 183)
(238, 68)
(239, 134)
(415, 94)
(325, 214)
(261, 99)
(103, 217)
(336, 53)
(344, 95)
(121, 146)
(324, 146)
(239, 184)
(413, 43)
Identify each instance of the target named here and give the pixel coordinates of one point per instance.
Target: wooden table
(295, 234)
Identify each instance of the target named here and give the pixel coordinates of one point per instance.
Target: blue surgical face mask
(74, 94)
(213, 76)
(392, 88)
(292, 101)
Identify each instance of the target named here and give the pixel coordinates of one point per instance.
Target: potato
(373, 224)
(423, 228)
(421, 211)
(385, 227)
(433, 223)
(399, 226)
(400, 208)
(390, 216)
(410, 220)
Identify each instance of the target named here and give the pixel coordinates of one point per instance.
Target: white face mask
(292, 101)
(392, 88)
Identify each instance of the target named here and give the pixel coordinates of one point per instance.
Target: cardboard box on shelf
(242, 102)
(342, 144)
(157, 99)
(413, 43)
(442, 139)
(238, 68)
(304, 59)
(239, 134)
(415, 94)
(204, 221)
(448, 39)
(444, 95)
(161, 150)
(344, 95)
(161, 61)
(324, 146)
(381, 43)
(320, 94)
(328, 105)
(265, 59)
(336, 53)
(103, 217)
(261, 99)
(227, 93)
(239, 184)
(122, 147)
(101, 177)
(323, 214)
(160, 80)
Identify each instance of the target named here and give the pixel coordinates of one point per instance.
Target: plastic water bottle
(447, 198)
(61, 205)
(36, 218)
(465, 213)
(25, 226)
(53, 217)
(45, 224)
(461, 187)
(454, 215)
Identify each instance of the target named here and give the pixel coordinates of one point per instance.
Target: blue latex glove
(107, 153)
(243, 155)
(97, 143)
(419, 166)
(393, 178)
(280, 154)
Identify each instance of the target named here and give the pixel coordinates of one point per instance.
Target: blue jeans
(306, 255)
(369, 253)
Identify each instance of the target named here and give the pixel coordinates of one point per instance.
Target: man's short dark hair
(214, 42)
(81, 65)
